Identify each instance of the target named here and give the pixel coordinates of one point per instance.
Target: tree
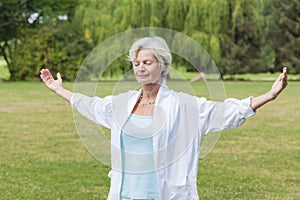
(10, 21)
(231, 31)
(57, 46)
(285, 34)
(20, 21)
(241, 47)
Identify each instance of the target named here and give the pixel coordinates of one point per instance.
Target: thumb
(280, 77)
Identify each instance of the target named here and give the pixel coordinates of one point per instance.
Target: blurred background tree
(241, 36)
(285, 34)
(241, 47)
(36, 34)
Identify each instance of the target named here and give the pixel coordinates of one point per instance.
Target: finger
(44, 72)
(48, 74)
(284, 74)
(280, 77)
(58, 76)
(284, 71)
(43, 75)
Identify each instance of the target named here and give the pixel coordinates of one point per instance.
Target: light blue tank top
(139, 179)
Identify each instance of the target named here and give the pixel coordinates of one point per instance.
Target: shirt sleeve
(218, 116)
(93, 108)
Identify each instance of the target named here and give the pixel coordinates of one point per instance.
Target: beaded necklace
(145, 103)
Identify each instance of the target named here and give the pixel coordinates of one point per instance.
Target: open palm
(280, 83)
(49, 81)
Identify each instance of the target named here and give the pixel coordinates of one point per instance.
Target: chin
(143, 82)
(149, 82)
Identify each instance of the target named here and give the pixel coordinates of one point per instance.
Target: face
(146, 68)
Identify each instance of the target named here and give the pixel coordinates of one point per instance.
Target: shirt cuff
(72, 100)
(250, 112)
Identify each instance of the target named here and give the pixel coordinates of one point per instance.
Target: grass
(261, 159)
(260, 76)
(41, 156)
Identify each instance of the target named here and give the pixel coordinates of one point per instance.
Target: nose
(140, 67)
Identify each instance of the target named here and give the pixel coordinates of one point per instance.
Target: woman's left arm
(279, 85)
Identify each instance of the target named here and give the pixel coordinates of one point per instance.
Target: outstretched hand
(49, 81)
(55, 85)
(280, 83)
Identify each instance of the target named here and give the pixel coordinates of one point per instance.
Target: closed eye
(146, 62)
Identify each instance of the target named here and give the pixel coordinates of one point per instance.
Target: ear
(165, 70)
(166, 67)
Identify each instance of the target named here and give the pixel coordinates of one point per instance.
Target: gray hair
(158, 48)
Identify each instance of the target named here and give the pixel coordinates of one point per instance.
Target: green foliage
(241, 36)
(57, 46)
(242, 46)
(4, 73)
(285, 34)
(37, 37)
(10, 20)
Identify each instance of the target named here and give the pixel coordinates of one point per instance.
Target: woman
(156, 132)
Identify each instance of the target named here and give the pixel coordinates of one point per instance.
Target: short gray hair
(158, 47)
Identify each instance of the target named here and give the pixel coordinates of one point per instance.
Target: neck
(150, 90)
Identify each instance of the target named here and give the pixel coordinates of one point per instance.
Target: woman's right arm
(94, 108)
(55, 85)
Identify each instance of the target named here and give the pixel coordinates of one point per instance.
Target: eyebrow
(147, 60)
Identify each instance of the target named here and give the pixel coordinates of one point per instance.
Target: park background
(41, 156)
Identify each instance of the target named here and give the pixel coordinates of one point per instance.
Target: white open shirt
(182, 120)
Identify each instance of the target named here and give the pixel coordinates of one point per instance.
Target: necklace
(145, 103)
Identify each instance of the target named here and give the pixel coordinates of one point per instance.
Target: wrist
(58, 90)
(272, 95)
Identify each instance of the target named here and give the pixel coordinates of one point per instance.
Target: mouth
(142, 76)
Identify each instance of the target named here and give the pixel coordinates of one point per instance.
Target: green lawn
(41, 156)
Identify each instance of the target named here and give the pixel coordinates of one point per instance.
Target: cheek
(159, 70)
(134, 69)
(157, 73)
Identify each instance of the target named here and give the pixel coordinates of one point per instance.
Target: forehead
(144, 54)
